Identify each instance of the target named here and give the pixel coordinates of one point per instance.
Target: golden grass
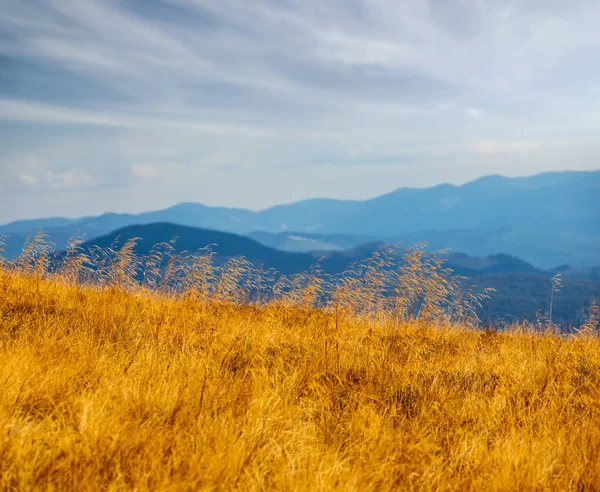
(101, 389)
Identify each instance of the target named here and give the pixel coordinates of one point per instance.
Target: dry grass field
(112, 387)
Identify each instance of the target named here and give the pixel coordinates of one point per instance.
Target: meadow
(164, 373)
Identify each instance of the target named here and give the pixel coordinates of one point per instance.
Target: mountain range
(521, 288)
(547, 220)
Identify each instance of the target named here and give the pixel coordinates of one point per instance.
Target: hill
(191, 239)
(227, 245)
(547, 220)
(521, 289)
(551, 250)
(105, 389)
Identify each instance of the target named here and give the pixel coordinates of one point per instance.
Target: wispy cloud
(395, 93)
(34, 112)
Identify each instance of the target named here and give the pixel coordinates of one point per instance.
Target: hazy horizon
(133, 105)
(75, 215)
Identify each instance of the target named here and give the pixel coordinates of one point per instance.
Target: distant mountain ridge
(521, 288)
(548, 220)
(227, 245)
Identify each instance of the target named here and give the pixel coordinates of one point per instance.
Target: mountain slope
(190, 239)
(522, 290)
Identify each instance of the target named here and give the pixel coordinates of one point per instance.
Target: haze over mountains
(521, 289)
(548, 220)
(228, 245)
(511, 234)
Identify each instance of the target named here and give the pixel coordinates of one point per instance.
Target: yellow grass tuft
(116, 388)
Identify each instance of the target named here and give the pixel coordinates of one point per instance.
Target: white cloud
(144, 170)
(68, 180)
(28, 180)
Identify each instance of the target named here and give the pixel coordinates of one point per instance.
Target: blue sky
(139, 104)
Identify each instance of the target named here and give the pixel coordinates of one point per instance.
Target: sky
(135, 105)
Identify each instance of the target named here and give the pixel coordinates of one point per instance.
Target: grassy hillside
(115, 386)
(521, 291)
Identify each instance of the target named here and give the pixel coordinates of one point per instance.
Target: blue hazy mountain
(547, 220)
(521, 289)
(227, 245)
(545, 249)
(191, 239)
